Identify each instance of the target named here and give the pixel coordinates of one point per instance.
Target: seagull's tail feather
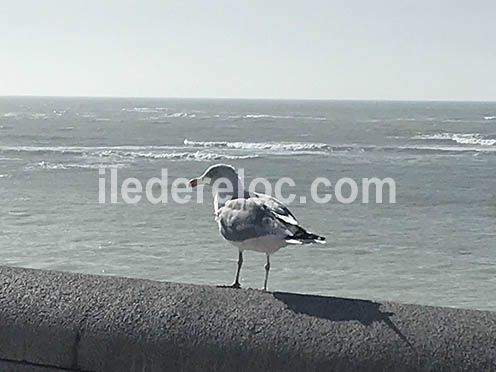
(304, 237)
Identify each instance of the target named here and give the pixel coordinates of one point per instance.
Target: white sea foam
(167, 113)
(322, 149)
(123, 153)
(461, 138)
(440, 149)
(87, 115)
(89, 157)
(64, 166)
(188, 156)
(260, 116)
(274, 146)
(489, 117)
(78, 149)
(145, 109)
(267, 116)
(26, 115)
(163, 111)
(180, 115)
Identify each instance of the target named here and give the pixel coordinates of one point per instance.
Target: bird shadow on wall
(340, 309)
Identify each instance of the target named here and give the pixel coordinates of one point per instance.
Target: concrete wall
(52, 321)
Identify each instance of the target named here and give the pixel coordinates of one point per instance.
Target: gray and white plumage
(253, 221)
(248, 220)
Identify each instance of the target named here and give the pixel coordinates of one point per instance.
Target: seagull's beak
(194, 182)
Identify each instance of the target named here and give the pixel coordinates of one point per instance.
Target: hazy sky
(381, 49)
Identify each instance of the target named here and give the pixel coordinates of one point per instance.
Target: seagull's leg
(240, 263)
(236, 281)
(267, 268)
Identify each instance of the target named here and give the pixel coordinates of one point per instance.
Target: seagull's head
(214, 173)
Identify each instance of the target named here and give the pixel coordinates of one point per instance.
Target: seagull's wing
(243, 219)
(277, 207)
(299, 235)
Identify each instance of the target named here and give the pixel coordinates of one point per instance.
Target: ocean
(435, 245)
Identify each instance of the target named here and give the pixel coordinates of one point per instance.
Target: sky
(381, 49)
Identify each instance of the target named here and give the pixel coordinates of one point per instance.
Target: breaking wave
(276, 146)
(188, 156)
(168, 113)
(439, 150)
(180, 115)
(90, 157)
(163, 111)
(461, 138)
(96, 157)
(95, 150)
(64, 166)
(145, 109)
(11, 115)
(303, 148)
(267, 116)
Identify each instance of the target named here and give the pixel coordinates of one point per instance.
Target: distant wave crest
(93, 157)
(440, 150)
(277, 146)
(268, 116)
(88, 157)
(323, 149)
(461, 138)
(145, 109)
(168, 113)
(191, 156)
(63, 166)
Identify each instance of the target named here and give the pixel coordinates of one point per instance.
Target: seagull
(252, 221)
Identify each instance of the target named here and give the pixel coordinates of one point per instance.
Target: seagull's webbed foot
(235, 285)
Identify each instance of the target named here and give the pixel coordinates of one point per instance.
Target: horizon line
(249, 98)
